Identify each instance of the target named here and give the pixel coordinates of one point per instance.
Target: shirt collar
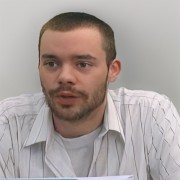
(43, 127)
(112, 119)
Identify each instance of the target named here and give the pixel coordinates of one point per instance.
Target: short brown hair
(72, 20)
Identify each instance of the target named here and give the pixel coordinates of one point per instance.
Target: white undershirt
(80, 151)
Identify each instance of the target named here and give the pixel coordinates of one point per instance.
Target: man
(78, 127)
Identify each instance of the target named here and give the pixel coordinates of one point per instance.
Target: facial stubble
(74, 112)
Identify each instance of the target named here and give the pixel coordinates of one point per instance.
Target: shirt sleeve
(164, 154)
(7, 164)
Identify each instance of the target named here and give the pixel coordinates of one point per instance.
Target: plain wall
(147, 37)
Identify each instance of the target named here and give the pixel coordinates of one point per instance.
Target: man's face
(73, 72)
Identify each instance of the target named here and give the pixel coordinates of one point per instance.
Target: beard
(78, 111)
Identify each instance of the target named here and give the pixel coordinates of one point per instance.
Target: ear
(114, 70)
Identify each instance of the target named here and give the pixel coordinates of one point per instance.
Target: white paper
(107, 178)
(76, 178)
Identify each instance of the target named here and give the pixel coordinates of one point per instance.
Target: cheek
(96, 83)
(46, 81)
(100, 78)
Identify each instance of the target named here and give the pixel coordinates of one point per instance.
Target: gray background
(147, 37)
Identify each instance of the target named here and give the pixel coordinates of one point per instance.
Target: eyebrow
(49, 56)
(74, 57)
(84, 56)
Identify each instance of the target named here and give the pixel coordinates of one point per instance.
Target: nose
(66, 75)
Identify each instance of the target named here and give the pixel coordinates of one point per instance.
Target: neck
(72, 129)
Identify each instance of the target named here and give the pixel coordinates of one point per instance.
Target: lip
(67, 98)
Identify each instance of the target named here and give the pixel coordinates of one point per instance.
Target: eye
(51, 65)
(84, 65)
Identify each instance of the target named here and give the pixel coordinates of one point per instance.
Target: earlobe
(114, 70)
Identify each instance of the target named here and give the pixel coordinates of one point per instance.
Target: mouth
(67, 94)
(67, 98)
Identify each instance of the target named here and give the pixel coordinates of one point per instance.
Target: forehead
(82, 38)
(83, 33)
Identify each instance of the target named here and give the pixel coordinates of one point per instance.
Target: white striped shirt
(140, 136)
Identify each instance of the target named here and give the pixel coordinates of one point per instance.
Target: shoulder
(22, 105)
(151, 99)
(146, 110)
(14, 110)
(17, 115)
(145, 105)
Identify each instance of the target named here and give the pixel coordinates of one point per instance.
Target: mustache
(69, 88)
